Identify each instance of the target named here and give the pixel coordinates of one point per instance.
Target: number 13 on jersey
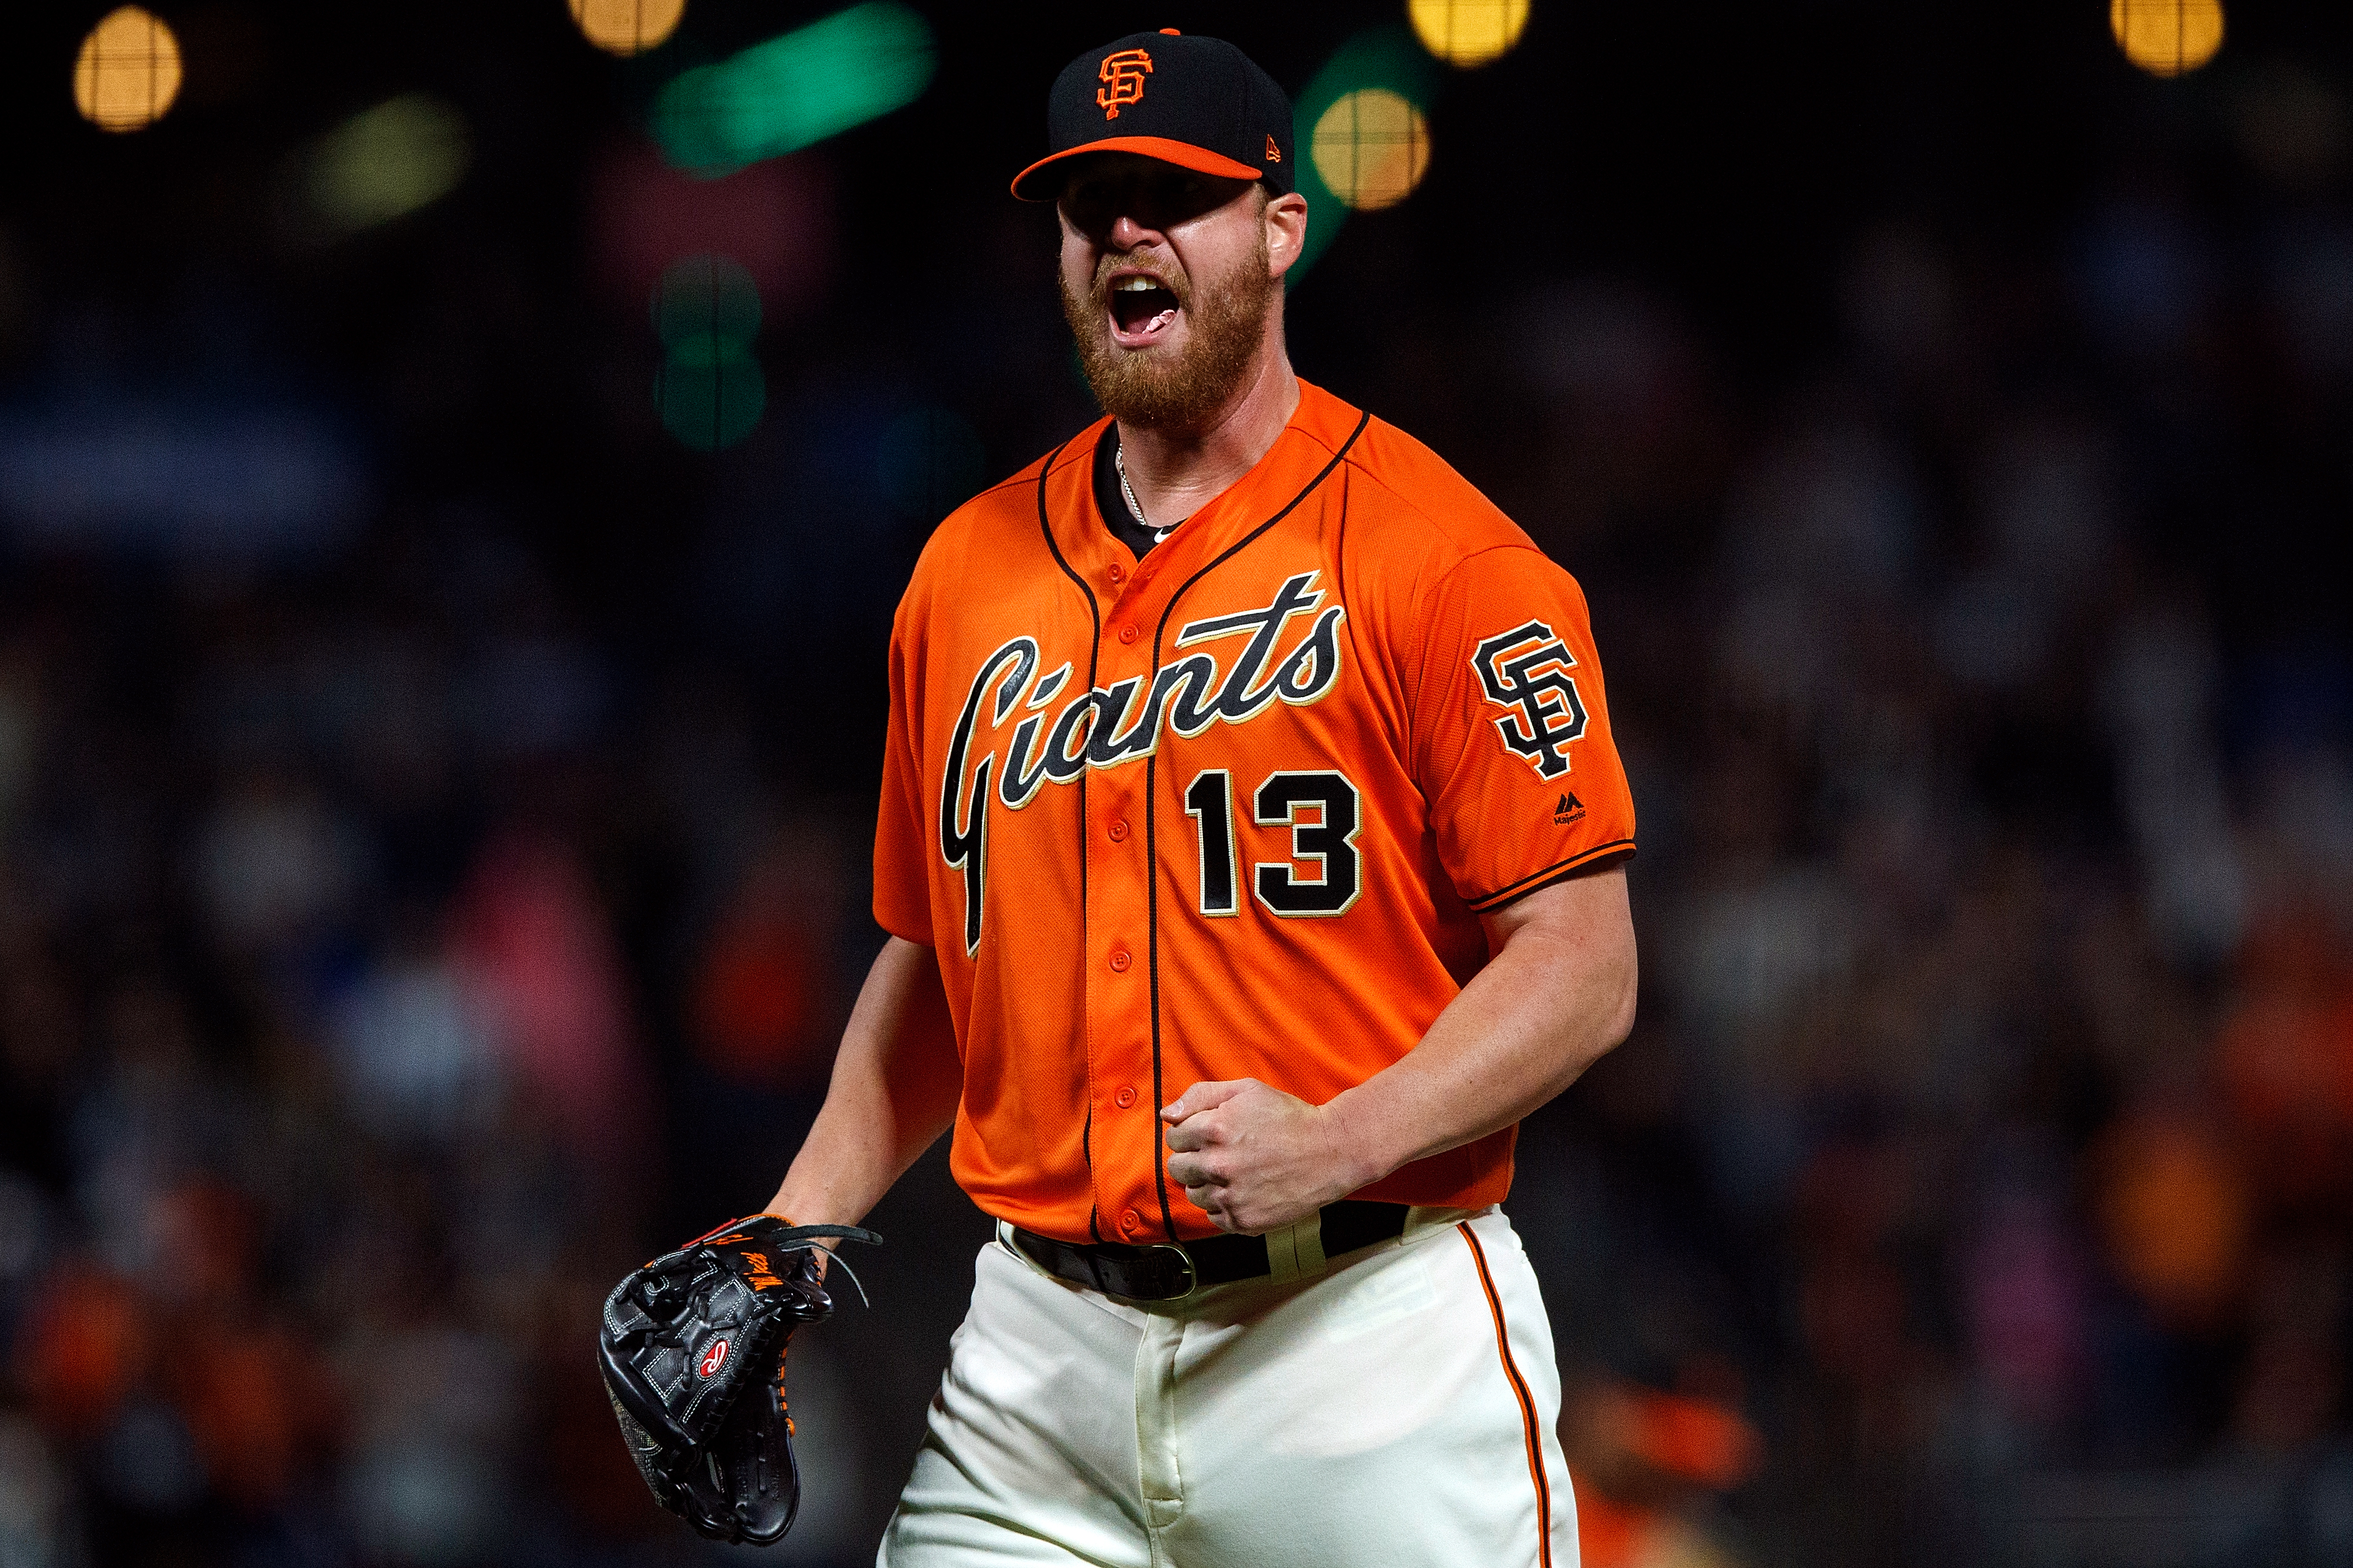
(1319, 877)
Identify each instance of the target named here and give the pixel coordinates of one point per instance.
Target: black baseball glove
(694, 1355)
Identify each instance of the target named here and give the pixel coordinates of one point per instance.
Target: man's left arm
(1557, 994)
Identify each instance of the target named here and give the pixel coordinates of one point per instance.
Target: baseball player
(1251, 847)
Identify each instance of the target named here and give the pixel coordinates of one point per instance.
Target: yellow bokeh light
(386, 163)
(2167, 38)
(1468, 32)
(128, 71)
(628, 26)
(1372, 148)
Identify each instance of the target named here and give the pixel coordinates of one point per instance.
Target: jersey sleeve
(902, 889)
(1512, 747)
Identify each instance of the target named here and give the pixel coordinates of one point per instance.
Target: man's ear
(1286, 232)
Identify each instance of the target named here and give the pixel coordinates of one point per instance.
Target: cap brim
(1032, 184)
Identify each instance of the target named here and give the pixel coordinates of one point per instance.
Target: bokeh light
(128, 71)
(710, 391)
(386, 163)
(628, 26)
(795, 90)
(1468, 32)
(1371, 148)
(776, 219)
(2167, 38)
(1389, 57)
(707, 295)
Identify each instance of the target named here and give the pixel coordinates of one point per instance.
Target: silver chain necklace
(1159, 535)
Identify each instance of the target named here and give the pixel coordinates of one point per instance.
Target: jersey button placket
(1125, 1146)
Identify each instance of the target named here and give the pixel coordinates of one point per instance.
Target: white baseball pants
(1397, 1407)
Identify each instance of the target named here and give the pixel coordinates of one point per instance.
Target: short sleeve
(1512, 748)
(901, 888)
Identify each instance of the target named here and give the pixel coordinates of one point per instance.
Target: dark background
(419, 906)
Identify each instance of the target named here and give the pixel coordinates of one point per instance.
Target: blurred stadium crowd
(434, 879)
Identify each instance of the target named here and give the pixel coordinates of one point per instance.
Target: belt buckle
(1192, 1273)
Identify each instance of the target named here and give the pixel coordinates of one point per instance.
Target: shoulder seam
(1428, 597)
(1419, 511)
(1468, 556)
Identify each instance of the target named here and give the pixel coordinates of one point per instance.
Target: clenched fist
(1255, 1159)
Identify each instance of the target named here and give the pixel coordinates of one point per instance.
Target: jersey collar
(1318, 428)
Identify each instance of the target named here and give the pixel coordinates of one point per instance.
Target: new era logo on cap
(1197, 102)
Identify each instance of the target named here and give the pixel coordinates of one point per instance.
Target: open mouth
(1142, 307)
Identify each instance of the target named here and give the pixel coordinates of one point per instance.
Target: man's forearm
(1558, 993)
(894, 1090)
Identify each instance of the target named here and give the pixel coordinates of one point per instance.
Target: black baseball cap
(1197, 102)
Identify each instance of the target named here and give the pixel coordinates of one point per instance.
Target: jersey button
(1119, 831)
(1125, 1098)
(1118, 573)
(1128, 634)
(1131, 1222)
(1120, 961)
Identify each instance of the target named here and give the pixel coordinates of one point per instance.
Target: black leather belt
(1169, 1271)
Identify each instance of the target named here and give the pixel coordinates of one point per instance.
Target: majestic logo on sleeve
(1122, 77)
(1120, 723)
(1525, 671)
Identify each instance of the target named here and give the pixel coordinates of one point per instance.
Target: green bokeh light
(795, 90)
(1388, 57)
(706, 295)
(710, 391)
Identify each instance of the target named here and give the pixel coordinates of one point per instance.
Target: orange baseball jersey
(1230, 811)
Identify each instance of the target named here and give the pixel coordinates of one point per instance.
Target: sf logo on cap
(1123, 75)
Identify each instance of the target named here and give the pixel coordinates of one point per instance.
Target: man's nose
(1129, 233)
